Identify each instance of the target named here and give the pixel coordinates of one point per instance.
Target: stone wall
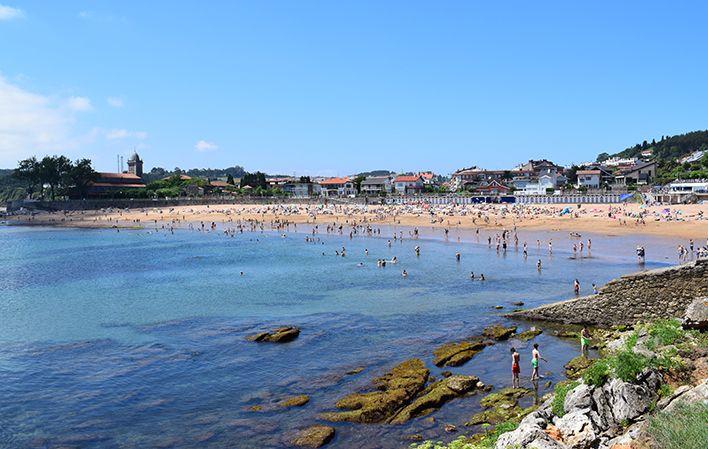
(660, 293)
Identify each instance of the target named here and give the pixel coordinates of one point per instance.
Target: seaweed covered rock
(314, 437)
(457, 353)
(499, 332)
(576, 367)
(295, 401)
(528, 334)
(501, 406)
(504, 396)
(434, 396)
(279, 335)
(393, 391)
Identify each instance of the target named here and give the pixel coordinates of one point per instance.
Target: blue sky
(334, 87)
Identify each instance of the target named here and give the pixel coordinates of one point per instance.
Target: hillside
(10, 188)
(668, 148)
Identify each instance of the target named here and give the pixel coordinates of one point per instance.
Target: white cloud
(9, 13)
(79, 104)
(115, 102)
(114, 134)
(204, 146)
(31, 123)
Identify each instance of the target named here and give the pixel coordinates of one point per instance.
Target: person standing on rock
(515, 368)
(535, 356)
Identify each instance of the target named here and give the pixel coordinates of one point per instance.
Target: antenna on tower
(121, 165)
(118, 162)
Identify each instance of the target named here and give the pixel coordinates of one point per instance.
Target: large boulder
(577, 430)
(696, 316)
(435, 396)
(393, 391)
(314, 437)
(457, 353)
(279, 335)
(578, 398)
(698, 393)
(499, 332)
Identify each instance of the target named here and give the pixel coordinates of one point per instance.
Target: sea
(137, 338)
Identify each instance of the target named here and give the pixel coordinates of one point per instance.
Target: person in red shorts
(515, 368)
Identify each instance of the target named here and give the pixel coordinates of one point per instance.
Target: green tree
(230, 179)
(53, 170)
(28, 172)
(357, 183)
(79, 176)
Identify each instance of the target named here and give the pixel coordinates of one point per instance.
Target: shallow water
(135, 339)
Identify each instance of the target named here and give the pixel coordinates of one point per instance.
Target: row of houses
(539, 177)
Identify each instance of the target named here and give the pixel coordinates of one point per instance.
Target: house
(469, 178)
(110, 183)
(589, 179)
(375, 185)
(337, 187)
(540, 186)
(408, 184)
(681, 191)
(278, 182)
(428, 177)
(642, 173)
(493, 187)
(302, 189)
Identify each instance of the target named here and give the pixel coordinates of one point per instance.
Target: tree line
(54, 176)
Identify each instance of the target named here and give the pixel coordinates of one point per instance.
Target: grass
(597, 373)
(487, 440)
(666, 332)
(683, 428)
(560, 392)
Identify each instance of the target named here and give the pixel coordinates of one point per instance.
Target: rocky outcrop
(593, 415)
(314, 437)
(696, 316)
(636, 297)
(575, 367)
(457, 353)
(400, 395)
(279, 335)
(294, 401)
(500, 406)
(528, 334)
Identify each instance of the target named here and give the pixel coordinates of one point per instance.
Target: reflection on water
(134, 340)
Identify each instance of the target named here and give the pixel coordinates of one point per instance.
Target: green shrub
(683, 428)
(597, 373)
(632, 341)
(665, 390)
(560, 392)
(626, 365)
(666, 332)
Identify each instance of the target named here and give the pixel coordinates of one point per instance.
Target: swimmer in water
(404, 274)
(472, 275)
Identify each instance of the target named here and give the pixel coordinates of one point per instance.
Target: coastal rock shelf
(401, 394)
(635, 297)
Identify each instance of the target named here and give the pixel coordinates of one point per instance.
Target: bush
(684, 428)
(666, 332)
(560, 392)
(487, 441)
(626, 365)
(597, 373)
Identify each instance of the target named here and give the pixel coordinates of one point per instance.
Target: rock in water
(576, 367)
(528, 334)
(279, 335)
(435, 396)
(499, 332)
(295, 401)
(393, 391)
(696, 316)
(456, 354)
(314, 437)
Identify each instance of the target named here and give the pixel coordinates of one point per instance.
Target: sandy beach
(679, 221)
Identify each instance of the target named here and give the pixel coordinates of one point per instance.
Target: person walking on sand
(535, 356)
(515, 369)
(584, 341)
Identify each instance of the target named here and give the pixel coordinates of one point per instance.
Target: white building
(337, 187)
(540, 187)
(375, 185)
(589, 179)
(408, 184)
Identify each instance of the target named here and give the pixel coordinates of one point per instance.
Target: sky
(339, 87)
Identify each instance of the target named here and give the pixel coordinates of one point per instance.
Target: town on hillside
(671, 171)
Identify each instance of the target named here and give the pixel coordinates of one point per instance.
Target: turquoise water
(135, 339)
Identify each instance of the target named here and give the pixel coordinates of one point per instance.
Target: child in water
(515, 368)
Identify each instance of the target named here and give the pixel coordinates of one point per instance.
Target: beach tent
(565, 211)
(626, 196)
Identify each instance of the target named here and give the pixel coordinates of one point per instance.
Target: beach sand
(679, 221)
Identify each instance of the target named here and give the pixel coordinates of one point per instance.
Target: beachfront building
(544, 184)
(109, 184)
(376, 185)
(408, 184)
(299, 189)
(642, 173)
(491, 188)
(589, 179)
(337, 187)
(681, 191)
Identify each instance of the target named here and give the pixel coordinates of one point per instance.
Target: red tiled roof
(112, 184)
(219, 184)
(106, 175)
(334, 181)
(588, 172)
(406, 178)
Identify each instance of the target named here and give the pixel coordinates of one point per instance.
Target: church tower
(135, 165)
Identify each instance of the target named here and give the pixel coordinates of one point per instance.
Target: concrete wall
(660, 293)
